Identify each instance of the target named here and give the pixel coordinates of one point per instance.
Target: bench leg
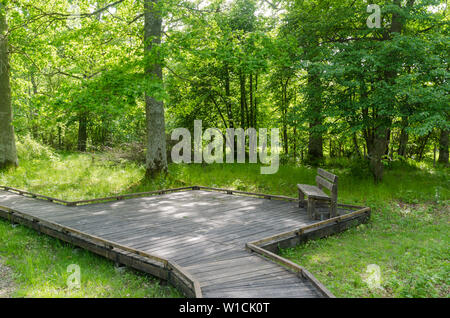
(333, 209)
(311, 209)
(315, 213)
(301, 199)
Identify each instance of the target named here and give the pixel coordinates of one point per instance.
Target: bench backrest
(327, 180)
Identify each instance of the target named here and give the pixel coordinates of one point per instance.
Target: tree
(313, 68)
(156, 158)
(443, 146)
(8, 153)
(376, 76)
(309, 23)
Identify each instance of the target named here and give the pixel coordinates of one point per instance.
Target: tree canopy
(87, 74)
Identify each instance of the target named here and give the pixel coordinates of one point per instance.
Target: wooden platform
(197, 238)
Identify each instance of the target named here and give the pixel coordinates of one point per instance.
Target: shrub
(359, 168)
(30, 149)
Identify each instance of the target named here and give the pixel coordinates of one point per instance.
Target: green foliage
(310, 68)
(29, 149)
(357, 168)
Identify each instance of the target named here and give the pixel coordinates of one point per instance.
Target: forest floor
(407, 237)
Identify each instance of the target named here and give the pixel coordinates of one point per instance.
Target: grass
(40, 264)
(407, 236)
(410, 244)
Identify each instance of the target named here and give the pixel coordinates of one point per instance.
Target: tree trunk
(156, 158)
(434, 156)
(295, 144)
(443, 146)
(424, 141)
(33, 115)
(376, 141)
(378, 137)
(403, 142)
(285, 137)
(315, 142)
(284, 111)
(82, 132)
(8, 153)
(244, 108)
(376, 148)
(356, 146)
(388, 140)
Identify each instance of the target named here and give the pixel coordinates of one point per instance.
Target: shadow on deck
(207, 242)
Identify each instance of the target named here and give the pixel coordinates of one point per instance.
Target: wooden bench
(314, 194)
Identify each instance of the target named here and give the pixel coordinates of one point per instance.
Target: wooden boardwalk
(204, 232)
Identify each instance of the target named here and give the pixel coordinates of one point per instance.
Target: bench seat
(313, 192)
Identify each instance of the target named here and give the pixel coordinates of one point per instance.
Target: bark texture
(8, 153)
(315, 142)
(156, 158)
(403, 138)
(443, 146)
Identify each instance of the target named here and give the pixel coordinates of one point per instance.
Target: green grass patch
(410, 244)
(40, 264)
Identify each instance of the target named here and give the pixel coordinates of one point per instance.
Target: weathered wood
(131, 195)
(316, 194)
(321, 182)
(200, 233)
(94, 238)
(298, 237)
(34, 195)
(261, 195)
(313, 192)
(262, 281)
(139, 260)
(133, 260)
(305, 228)
(299, 270)
(292, 266)
(182, 273)
(241, 275)
(328, 175)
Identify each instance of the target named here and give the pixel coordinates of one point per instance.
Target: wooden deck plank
(203, 231)
(256, 281)
(266, 293)
(268, 271)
